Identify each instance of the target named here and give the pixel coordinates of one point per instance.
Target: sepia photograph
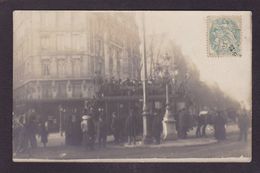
(132, 86)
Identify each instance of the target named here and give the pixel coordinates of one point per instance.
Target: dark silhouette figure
(88, 131)
(219, 126)
(243, 124)
(44, 132)
(157, 127)
(131, 127)
(30, 129)
(202, 121)
(183, 123)
(115, 127)
(101, 130)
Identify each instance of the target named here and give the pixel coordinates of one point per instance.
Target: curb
(168, 144)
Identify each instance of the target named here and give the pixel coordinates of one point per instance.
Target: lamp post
(147, 139)
(169, 130)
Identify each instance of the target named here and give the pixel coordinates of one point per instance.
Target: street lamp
(169, 130)
(147, 139)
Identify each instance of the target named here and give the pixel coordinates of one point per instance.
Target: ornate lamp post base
(147, 138)
(169, 130)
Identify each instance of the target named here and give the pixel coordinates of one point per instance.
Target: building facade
(57, 55)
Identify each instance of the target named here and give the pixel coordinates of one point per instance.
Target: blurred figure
(131, 127)
(219, 126)
(87, 127)
(115, 127)
(84, 128)
(101, 129)
(31, 128)
(17, 133)
(202, 124)
(243, 124)
(23, 137)
(68, 129)
(157, 127)
(183, 123)
(44, 132)
(77, 133)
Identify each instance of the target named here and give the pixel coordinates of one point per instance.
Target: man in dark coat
(101, 129)
(183, 123)
(243, 124)
(68, 129)
(74, 128)
(157, 126)
(31, 127)
(219, 126)
(115, 127)
(131, 127)
(44, 132)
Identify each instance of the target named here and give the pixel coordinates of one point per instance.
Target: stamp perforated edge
(241, 35)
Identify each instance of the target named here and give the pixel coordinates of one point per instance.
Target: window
(48, 19)
(61, 67)
(78, 20)
(77, 42)
(60, 43)
(45, 68)
(76, 67)
(28, 67)
(46, 90)
(92, 64)
(61, 89)
(118, 62)
(45, 41)
(91, 36)
(76, 89)
(99, 47)
(63, 20)
(63, 41)
(110, 62)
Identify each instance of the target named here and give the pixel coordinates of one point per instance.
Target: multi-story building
(58, 54)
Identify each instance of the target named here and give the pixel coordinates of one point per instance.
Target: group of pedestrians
(219, 121)
(25, 129)
(96, 128)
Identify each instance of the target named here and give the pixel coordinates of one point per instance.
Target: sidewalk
(175, 143)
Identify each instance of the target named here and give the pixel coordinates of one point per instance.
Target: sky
(189, 31)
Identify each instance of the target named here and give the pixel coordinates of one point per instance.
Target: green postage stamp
(224, 36)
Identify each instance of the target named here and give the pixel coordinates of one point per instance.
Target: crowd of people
(92, 126)
(25, 129)
(219, 121)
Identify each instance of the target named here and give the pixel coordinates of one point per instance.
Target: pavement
(175, 143)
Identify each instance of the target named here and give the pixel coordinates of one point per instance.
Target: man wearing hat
(87, 127)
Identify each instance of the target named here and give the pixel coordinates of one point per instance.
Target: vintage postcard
(132, 86)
